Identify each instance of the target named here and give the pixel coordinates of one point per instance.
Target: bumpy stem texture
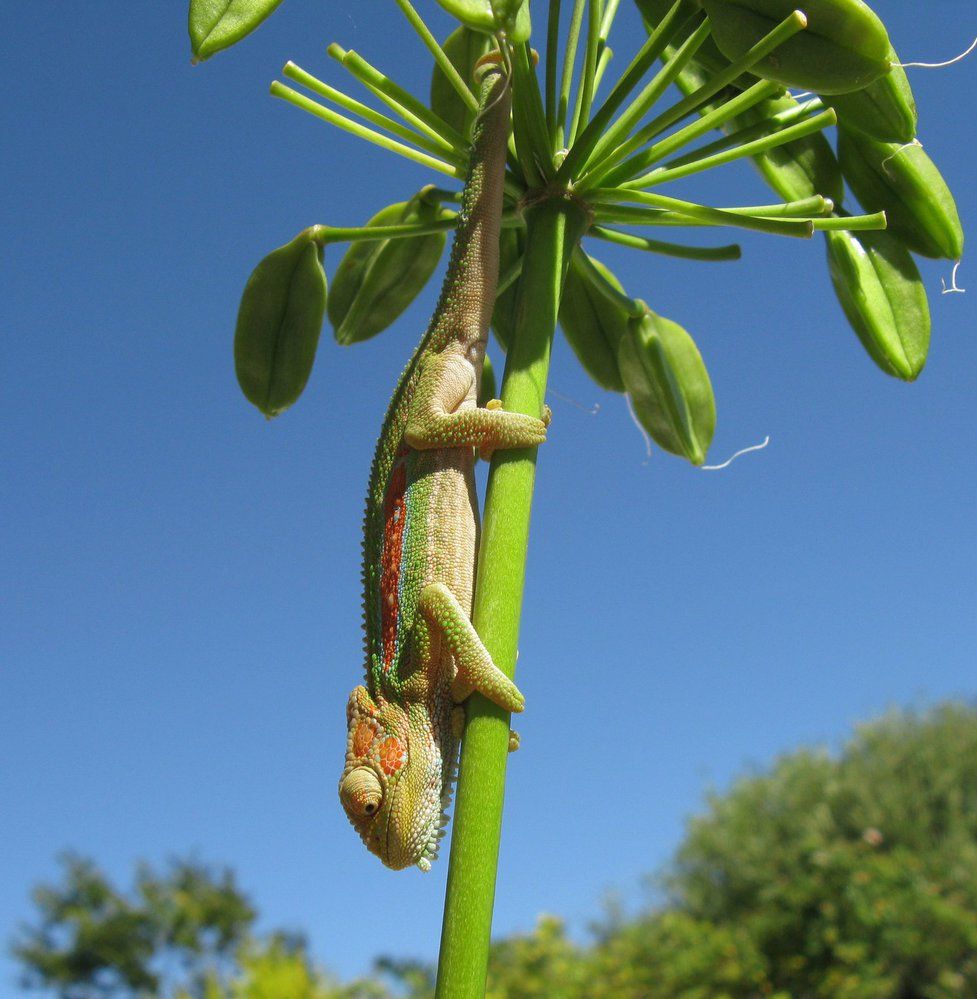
(553, 227)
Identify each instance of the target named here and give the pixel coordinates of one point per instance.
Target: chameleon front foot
(512, 430)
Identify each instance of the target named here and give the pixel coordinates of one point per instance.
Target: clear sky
(180, 578)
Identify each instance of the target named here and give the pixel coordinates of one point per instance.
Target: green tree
(280, 968)
(855, 876)
(93, 940)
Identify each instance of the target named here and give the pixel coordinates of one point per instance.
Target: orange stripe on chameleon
(394, 522)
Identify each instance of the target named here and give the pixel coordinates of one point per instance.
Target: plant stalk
(553, 229)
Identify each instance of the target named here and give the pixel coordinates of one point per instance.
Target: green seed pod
(845, 46)
(883, 297)
(592, 324)
(218, 24)
(512, 244)
(377, 279)
(464, 48)
(884, 110)
(487, 388)
(798, 169)
(669, 386)
(490, 16)
(903, 181)
(278, 324)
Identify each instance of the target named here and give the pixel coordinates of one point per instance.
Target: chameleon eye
(360, 792)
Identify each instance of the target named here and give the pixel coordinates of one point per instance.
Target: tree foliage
(855, 876)
(93, 940)
(851, 876)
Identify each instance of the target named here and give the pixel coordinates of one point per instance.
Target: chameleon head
(391, 786)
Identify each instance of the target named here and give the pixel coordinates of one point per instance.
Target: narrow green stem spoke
(607, 19)
(396, 97)
(361, 131)
(552, 50)
(708, 253)
(666, 174)
(440, 57)
(325, 234)
(438, 146)
(566, 82)
(807, 208)
(602, 63)
(528, 108)
(585, 94)
(717, 216)
(611, 149)
(852, 223)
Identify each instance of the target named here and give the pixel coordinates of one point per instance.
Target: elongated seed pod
(903, 181)
(884, 110)
(883, 298)
(278, 325)
(377, 279)
(593, 325)
(669, 386)
(844, 47)
(218, 24)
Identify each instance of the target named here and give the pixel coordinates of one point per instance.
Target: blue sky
(181, 597)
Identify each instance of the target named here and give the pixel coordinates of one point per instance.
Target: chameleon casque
(423, 655)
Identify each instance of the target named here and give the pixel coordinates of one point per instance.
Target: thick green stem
(553, 228)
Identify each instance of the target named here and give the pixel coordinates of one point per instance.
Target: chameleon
(420, 538)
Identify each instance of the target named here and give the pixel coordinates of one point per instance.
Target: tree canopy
(849, 875)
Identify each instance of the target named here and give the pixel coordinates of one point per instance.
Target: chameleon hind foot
(514, 740)
(476, 671)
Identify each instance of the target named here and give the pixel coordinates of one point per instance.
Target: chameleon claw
(547, 415)
(514, 740)
(494, 404)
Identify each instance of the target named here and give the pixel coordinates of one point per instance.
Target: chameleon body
(423, 655)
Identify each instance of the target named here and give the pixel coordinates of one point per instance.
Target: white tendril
(729, 461)
(940, 65)
(954, 288)
(893, 155)
(590, 410)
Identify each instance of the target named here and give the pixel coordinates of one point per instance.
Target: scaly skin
(421, 538)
